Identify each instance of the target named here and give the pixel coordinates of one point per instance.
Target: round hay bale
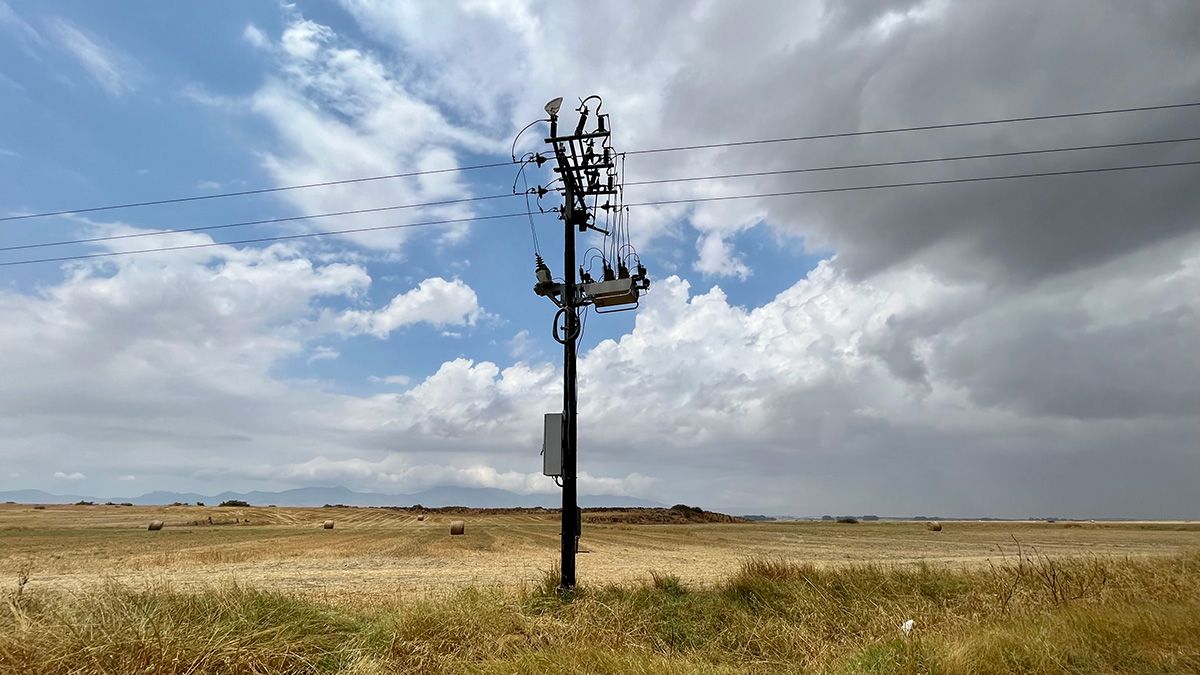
(421, 517)
(328, 525)
(155, 526)
(933, 526)
(457, 527)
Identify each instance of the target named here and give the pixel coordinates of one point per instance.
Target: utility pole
(580, 169)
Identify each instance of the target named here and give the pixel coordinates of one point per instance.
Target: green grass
(1026, 614)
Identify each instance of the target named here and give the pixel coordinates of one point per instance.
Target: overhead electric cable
(523, 214)
(929, 160)
(243, 193)
(1039, 174)
(244, 223)
(364, 179)
(325, 233)
(925, 127)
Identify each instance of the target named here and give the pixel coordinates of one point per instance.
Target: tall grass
(1025, 613)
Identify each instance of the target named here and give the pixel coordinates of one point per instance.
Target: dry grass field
(89, 589)
(376, 554)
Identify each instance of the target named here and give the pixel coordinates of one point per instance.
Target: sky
(1006, 348)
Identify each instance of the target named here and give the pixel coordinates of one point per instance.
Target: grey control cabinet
(552, 445)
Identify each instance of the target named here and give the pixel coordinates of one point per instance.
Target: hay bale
(457, 527)
(421, 517)
(155, 526)
(328, 525)
(933, 526)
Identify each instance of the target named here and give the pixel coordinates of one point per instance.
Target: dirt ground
(376, 555)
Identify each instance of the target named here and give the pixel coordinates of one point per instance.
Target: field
(269, 590)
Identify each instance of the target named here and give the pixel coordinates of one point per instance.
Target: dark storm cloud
(1056, 365)
(959, 62)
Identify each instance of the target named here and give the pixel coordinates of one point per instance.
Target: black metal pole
(580, 178)
(570, 508)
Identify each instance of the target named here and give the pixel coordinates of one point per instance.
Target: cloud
(396, 473)
(254, 35)
(882, 375)
(400, 380)
(337, 111)
(522, 345)
(29, 39)
(721, 74)
(716, 257)
(74, 475)
(907, 391)
(1005, 348)
(200, 94)
(111, 70)
(127, 477)
(322, 354)
(435, 301)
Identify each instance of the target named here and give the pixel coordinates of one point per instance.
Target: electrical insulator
(642, 277)
(587, 278)
(609, 275)
(545, 281)
(622, 270)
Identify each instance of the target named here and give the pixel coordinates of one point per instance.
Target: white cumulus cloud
(435, 301)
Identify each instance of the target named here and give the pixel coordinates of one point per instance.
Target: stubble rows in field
(378, 554)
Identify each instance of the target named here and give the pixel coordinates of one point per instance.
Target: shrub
(234, 502)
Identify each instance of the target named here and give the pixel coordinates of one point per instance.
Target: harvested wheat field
(90, 589)
(377, 553)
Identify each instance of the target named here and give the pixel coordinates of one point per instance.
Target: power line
(523, 214)
(257, 191)
(244, 223)
(267, 221)
(1039, 174)
(838, 167)
(926, 127)
(258, 240)
(365, 179)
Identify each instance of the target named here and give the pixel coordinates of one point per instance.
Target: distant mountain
(319, 496)
(40, 497)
